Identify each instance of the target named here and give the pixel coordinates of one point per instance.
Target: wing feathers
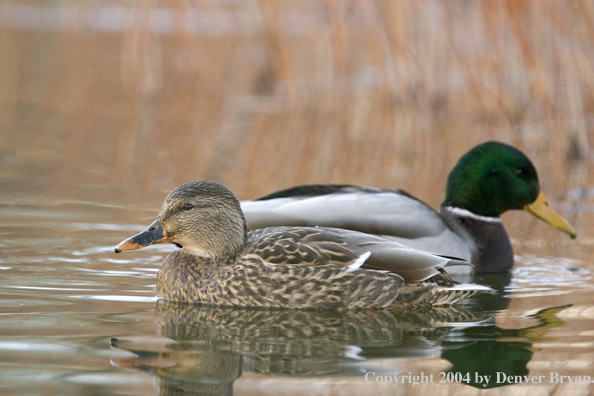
(319, 246)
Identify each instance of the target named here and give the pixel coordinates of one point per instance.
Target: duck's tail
(438, 290)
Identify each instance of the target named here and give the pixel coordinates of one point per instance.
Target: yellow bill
(541, 209)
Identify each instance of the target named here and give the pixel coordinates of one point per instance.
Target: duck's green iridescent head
(494, 177)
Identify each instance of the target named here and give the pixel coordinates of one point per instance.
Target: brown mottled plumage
(254, 282)
(285, 267)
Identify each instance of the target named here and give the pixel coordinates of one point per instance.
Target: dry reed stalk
(266, 95)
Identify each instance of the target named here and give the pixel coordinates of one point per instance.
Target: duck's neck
(493, 251)
(218, 237)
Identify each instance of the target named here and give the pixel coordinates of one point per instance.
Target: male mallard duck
(286, 267)
(487, 181)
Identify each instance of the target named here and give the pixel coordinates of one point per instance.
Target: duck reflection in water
(208, 348)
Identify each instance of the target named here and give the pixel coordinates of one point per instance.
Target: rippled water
(78, 319)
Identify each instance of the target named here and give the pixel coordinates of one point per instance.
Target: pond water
(79, 320)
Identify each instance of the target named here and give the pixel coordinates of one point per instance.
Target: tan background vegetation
(121, 101)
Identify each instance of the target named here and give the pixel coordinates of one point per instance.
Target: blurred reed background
(119, 101)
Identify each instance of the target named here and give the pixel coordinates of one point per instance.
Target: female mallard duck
(487, 181)
(286, 267)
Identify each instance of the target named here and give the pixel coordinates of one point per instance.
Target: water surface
(79, 319)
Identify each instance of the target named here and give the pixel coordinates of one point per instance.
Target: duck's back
(347, 248)
(393, 214)
(364, 209)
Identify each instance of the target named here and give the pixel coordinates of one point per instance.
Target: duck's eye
(520, 173)
(188, 206)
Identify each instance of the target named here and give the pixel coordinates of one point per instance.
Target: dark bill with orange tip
(152, 235)
(544, 211)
